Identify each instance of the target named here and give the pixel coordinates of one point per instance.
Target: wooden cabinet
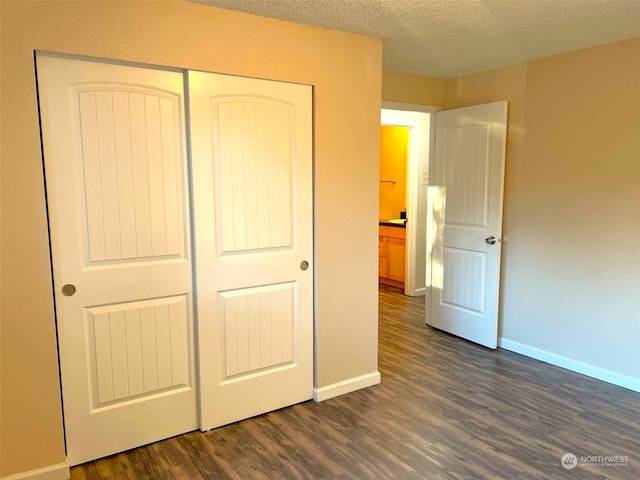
(391, 253)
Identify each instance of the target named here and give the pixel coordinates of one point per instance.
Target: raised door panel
(466, 175)
(254, 175)
(259, 326)
(130, 160)
(383, 264)
(138, 349)
(396, 248)
(464, 275)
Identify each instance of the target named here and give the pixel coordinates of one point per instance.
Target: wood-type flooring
(446, 409)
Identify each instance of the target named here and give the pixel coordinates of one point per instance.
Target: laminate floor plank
(446, 409)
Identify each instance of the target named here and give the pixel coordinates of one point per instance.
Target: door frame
(419, 173)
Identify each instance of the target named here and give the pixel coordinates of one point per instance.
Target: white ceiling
(446, 38)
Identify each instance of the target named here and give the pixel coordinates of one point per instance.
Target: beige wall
(191, 36)
(400, 87)
(571, 260)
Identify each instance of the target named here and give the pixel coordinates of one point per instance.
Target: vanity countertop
(387, 223)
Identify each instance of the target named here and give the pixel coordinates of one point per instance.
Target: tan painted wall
(571, 260)
(400, 87)
(191, 36)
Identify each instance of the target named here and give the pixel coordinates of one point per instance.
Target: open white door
(253, 217)
(467, 221)
(116, 176)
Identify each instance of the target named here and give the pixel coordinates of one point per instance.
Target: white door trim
(410, 107)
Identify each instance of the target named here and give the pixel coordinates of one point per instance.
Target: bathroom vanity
(391, 254)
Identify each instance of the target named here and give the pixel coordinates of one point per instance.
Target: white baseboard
(59, 471)
(570, 364)
(346, 386)
(418, 292)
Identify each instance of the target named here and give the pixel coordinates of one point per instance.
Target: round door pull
(68, 290)
(491, 240)
(304, 265)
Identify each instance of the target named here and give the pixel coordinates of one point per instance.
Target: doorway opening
(406, 131)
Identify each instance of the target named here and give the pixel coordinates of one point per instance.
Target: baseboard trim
(346, 386)
(571, 364)
(418, 292)
(59, 471)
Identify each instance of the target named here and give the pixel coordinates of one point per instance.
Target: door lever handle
(491, 240)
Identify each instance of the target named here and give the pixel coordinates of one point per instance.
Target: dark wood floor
(446, 409)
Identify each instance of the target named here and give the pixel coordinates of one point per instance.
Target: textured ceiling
(446, 38)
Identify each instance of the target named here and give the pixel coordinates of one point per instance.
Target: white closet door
(252, 186)
(115, 161)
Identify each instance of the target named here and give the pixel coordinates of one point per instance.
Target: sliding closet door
(252, 188)
(116, 178)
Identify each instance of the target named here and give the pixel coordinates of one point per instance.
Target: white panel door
(252, 188)
(467, 221)
(116, 177)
